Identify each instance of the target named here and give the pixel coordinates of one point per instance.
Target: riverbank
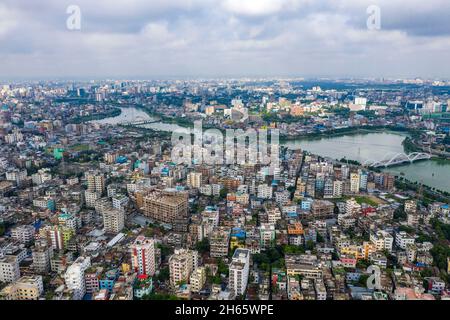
(359, 144)
(345, 132)
(115, 112)
(428, 193)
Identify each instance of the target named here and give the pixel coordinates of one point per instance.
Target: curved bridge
(139, 123)
(398, 158)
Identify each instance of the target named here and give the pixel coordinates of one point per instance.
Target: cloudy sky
(224, 38)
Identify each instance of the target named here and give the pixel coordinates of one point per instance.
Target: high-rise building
(219, 242)
(74, 277)
(113, 220)
(352, 207)
(181, 265)
(194, 179)
(26, 288)
(239, 271)
(267, 234)
(165, 206)
(354, 183)
(57, 236)
(198, 279)
(265, 191)
(143, 256)
(42, 253)
(9, 269)
(95, 182)
(91, 198)
(382, 240)
(23, 234)
(337, 188)
(388, 181)
(363, 177)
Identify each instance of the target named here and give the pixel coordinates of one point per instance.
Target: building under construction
(165, 206)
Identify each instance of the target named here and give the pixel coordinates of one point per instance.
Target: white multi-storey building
(239, 271)
(113, 220)
(42, 253)
(74, 277)
(382, 240)
(198, 279)
(264, 191)
(354, 183)
(402, 240)
(23, 234)
(181, 265)
(194, 180)
(91, 197)
(119, 201)
(9, 269)
(337, 188)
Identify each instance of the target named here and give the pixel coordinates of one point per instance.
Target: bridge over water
(140, 122)
(397, 159)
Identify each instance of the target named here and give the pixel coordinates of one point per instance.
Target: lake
(359, 147)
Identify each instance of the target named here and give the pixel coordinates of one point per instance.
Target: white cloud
(214, 37)
(254, 7)
(8, 20)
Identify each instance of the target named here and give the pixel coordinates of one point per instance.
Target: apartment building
(165, 206)
(143, 256)
(197, 279)
(42, 253)
(95, 182)
(382, 240)
(219, 242)
(402, 240)
(9, 269)
(239, 271)
(113, 220)
(181, 265)
(23, 234)
(74, 277)
(25, 288)
(194, 180)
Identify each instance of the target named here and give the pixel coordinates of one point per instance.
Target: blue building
(109, 280)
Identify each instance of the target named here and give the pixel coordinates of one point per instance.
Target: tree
(406, 229)
(362, 281)
(320, 239)
(261, 258)
(400, 214)
(291, 249)
(160, 296)
(362, 264)
(165, 251)
(426, 273)
(440, 253)
(310, 245)
(291, 189)
(222, 268)
(203, 246)
(164, 274)
(223, 193)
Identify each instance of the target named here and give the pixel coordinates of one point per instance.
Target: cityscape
(94, 207)
(227, 157)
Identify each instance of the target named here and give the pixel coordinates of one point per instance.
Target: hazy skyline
(224, 38)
